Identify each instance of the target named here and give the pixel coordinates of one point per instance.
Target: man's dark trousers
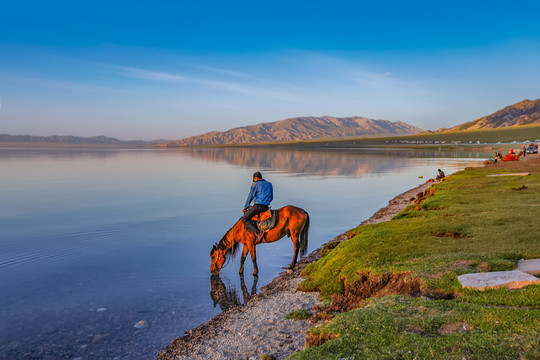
(251, 212)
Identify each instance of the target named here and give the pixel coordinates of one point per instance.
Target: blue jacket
(261, 192)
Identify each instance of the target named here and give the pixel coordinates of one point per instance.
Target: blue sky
(172, 69)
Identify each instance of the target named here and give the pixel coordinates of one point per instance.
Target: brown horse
(292, 221)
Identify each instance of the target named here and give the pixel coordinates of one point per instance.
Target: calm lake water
(94, 241)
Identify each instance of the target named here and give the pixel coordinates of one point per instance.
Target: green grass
(494, 224)
(414, 328)
(300, 314)
(498, 224)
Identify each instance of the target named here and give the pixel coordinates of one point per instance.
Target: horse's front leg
(254, 258)
(242, 259)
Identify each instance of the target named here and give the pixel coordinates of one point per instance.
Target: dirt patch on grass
(455, 328)
(436, 294)
(424, 195)
(417, 330)
(322, 315)
(329, 247)
(319, 338)
(450, 234)
(373, 285)
(464, 264)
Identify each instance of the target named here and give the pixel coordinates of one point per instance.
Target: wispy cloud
(148, 74)
(67, 85)
(368, 77)
(247, 76)
(216, 84)
(223, 71)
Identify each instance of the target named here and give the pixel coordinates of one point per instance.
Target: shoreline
(259, 327)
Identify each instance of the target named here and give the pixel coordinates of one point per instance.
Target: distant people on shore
(511, 156)
(441, 175)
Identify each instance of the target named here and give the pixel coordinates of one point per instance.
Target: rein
(228, 258)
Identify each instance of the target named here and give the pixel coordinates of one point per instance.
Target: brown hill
(301, 128)
(523, 113)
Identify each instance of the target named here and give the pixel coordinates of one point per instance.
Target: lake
(94, 241)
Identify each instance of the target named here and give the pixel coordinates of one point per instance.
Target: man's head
(257, 176)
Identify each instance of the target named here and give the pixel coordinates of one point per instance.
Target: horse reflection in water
(227, 297)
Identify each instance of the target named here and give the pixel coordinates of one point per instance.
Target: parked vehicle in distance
(532, 149)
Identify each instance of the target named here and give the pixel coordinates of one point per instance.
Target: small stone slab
(514, 174)
(529, 266)
(511, 280)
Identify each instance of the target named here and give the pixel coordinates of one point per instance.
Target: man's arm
(250, 196)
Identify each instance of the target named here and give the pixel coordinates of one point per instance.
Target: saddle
(266, 220)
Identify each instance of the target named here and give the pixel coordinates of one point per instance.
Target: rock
(99, 338)
(514, 279)
(141, 324)
(529, 266)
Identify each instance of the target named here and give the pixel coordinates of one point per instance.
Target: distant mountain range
(525, 112)
(301, 129)
(73, 140)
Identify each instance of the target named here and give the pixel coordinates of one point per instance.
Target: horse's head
(217, 259)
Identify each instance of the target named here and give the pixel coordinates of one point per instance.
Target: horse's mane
(231, 253)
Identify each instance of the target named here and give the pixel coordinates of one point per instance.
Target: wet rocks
(141, 324)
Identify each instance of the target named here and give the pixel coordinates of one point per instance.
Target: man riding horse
(289, 221)
(261, 194)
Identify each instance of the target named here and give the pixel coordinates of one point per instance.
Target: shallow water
(94, 241)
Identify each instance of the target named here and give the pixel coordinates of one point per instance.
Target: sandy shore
(260, 327)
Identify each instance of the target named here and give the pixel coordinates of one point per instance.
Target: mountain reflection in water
(324, 162)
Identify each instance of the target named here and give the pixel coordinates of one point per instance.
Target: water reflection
(128, 230)
(67, 153)
(357, 162)
(227, 296)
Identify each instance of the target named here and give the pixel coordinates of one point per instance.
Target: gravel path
(260, 327)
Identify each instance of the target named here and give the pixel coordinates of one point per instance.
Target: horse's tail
(304, 237)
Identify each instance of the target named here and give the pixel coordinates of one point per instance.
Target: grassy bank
(469, 223)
